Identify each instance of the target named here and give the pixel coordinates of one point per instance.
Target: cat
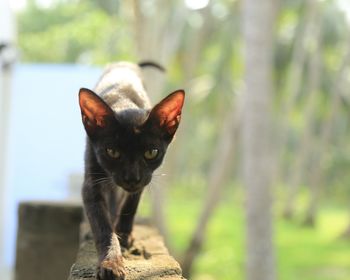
(126, 141)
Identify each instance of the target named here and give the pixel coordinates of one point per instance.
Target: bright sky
(196, 4)
(18, 5)
(344, 5)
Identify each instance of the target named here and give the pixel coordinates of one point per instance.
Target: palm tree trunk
(258, 30)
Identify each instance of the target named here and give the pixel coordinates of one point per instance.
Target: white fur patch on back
(124, 85)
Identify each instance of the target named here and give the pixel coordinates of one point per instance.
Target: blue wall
(46, 137)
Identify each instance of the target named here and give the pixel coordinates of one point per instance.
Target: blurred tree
(225, 151)
(77, 31)
(217, 179)
(298, 169)
(317, 168)
(305, 124)
(258, 31)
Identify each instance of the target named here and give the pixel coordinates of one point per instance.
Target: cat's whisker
(149, 188)
(158, 179)
(159, 175)
(101, 181)
(154, 185)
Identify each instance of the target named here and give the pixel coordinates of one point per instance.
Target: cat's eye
(151, 154)
(113, 153)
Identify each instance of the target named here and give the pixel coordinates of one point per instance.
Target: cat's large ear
(95, 113)
(166, 114)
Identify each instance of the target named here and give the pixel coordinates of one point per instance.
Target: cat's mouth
(132, 189)
(132, 186)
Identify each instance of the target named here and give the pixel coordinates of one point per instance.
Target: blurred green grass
(302, 252)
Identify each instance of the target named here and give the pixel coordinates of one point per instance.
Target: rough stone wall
(47, 240)
(147, 259)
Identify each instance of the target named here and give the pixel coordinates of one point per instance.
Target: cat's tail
(144, 64)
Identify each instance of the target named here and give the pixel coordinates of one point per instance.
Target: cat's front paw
(105, 274)
(111, 269)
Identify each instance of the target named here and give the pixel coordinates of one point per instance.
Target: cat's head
(130, 145)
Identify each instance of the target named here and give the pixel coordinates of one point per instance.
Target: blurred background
(207, 197)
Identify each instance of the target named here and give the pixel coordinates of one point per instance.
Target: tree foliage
(73, 31)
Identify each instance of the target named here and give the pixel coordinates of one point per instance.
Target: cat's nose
(132, 180)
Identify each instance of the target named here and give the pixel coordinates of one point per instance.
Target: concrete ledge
(147, 259)
(47, 239)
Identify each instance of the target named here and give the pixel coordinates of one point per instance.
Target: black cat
(127, 141)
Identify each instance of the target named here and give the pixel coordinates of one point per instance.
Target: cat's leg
(113, 204)
(107, 244)
(126, 219)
